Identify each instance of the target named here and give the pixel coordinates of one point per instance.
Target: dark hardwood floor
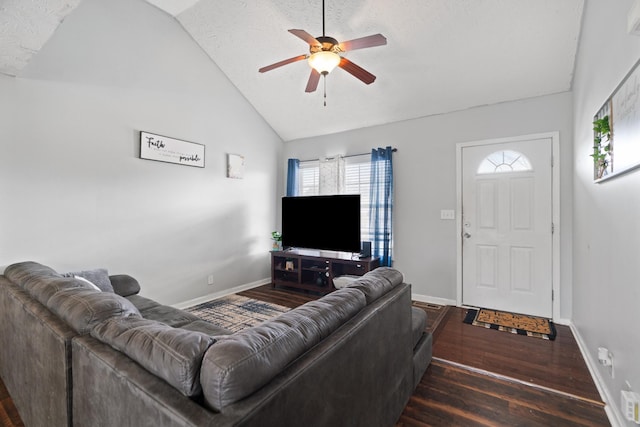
(557, 365)
(450, 395)
(478, 377)
(8, 413)
(483, 377)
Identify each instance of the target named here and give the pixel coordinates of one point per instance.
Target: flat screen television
(322, 222)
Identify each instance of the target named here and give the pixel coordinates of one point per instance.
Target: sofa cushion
(391, 274)
(152, 310)
(142, 303)
(317, 319)
(377, 282)
(21, 272)
(418, 324)
(99, 277)
(46, 287)
(82, 309)
(206, 328)
(170, 315)
(241, 363)
(422, 355)
(124, 285)
(173, 354)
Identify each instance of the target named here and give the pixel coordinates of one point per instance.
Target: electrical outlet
(605, 357)
(210, 280)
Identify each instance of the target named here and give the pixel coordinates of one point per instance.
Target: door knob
(466, 235)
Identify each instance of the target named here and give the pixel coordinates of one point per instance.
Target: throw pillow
(99, 277)
(88, 282)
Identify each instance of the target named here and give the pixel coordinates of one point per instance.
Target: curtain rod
(350, 155)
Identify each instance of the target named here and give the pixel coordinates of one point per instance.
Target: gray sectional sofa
(75, 355)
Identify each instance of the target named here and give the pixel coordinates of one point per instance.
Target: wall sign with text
(171, 150)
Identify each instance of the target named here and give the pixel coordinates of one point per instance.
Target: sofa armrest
(124, 285)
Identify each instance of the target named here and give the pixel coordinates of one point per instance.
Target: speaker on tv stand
(365, 251)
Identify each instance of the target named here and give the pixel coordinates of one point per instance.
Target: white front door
(507, 226)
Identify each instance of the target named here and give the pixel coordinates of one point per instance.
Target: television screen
(322, 222)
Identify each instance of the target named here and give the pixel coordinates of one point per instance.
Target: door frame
(555, 209)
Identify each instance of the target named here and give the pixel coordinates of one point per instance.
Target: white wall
(74, 193)
(606, 235)
(425, 180)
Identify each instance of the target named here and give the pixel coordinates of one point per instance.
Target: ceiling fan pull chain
(325, 90)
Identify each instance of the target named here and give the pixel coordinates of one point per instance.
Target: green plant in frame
(601, 146)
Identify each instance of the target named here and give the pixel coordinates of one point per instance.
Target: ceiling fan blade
(312, 84)
(281, 63)
(361, 43)
(356, 71)
(306, 37)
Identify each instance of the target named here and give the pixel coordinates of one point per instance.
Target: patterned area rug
(510, 322)
(235, 312)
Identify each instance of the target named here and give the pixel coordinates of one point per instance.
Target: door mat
(520, 324)
(235, 312)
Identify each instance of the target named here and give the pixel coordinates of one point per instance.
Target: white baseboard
(220, 294)
(432, 300)
(562, 321)
(611, 403)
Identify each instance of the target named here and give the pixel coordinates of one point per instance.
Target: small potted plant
(601, 146)
(276, 236)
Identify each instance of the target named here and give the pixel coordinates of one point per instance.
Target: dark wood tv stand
(314, 271)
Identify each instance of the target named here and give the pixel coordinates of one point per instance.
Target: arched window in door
(504, 161)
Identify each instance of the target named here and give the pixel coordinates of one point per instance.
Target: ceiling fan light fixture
(324, 61)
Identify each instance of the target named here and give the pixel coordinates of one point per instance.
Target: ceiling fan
(324, 56)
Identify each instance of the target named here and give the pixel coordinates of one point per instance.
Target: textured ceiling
(441, 55)
(25, 26)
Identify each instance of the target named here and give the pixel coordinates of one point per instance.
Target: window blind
(357, 181)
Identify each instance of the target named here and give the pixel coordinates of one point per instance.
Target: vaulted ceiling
(441, 55)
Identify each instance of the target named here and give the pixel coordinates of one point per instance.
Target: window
(357, 181)
(309, 178)
(357, 176)
(504, 161)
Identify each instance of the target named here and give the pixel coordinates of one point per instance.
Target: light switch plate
(447, 214)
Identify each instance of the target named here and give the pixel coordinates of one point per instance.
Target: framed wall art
(171, 150)
(616, 130)
(235, 166)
